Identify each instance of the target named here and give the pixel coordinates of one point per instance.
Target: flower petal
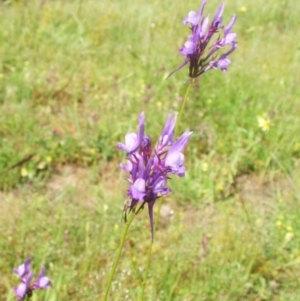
(229, 38)
(132, 140)
(23, 269)
(192, 18)
(181, 142)
(138, 189)
(44, 282)
(218, 16)
(21, 290)
(230, 24)
(168, 131)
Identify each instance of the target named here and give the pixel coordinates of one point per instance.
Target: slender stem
(113, 271)
(183, 104)
(160, 203)
(150, 254)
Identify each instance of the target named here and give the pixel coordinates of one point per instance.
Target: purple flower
(149, 168)
(24, 269)
(25, 288)
(42, 281)
(201, 51)
(132, 140)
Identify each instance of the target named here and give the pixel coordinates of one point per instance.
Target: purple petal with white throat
(138, 189)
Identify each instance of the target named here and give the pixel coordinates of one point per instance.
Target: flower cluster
(25, 288)
(149, 167)
(200, 51)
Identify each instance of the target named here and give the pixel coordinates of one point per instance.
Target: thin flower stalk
(149, 256)
(118, 256)
(186, 95)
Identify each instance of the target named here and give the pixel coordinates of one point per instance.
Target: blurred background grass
(74, 76)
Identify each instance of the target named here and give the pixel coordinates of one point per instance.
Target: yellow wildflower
(24, 172)
(204, 166)
(289, 236)
(263, 123)
(42, 165)
(220, 187)
(93, 151)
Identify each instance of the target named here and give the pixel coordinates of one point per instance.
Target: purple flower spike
(25, 288)
(201, 51)
(149, 168)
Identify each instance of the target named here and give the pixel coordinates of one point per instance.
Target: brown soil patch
(259, 190)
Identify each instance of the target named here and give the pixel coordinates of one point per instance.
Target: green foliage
(74, 76)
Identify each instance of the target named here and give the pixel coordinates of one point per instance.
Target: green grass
(74, 76)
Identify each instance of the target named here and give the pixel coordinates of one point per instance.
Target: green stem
(160, 203)
(150, 254)
(113, 271)
(183, 104)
